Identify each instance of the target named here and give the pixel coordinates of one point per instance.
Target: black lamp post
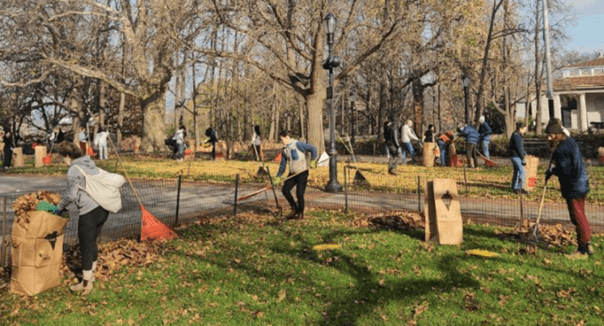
(466, 82)
(332, 62)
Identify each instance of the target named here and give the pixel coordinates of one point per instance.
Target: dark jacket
(569, 167)
(485, 131)
(429, 136)
(391, 136)
(8, 144)
(517, 146)
(470, 134)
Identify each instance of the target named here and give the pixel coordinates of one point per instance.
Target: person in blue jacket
(472, 137)
(485, 132)
(567, 165)
(293, 154)
(517, 155)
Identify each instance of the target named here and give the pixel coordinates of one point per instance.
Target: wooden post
(419, 195)
(3, 245)
(178, 200)
(346, 190)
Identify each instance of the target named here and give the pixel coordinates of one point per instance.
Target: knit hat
(554, 127)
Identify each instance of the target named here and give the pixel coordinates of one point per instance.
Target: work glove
(47, 207)
(548, 174)
(523, 163)
(277, 181)
(313, 164)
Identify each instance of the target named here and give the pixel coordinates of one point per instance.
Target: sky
(588, 34)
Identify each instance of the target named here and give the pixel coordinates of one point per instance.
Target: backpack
(104, 189)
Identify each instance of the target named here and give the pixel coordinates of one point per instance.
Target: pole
(236, 190)
(178, 200)
(333, 185)
(419, 195)
(548, 64)
(270, 178)
(346, 189)
(352, 122)
(2, 246)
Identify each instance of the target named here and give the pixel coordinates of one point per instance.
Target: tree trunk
(154, 130)
(537, 73)
(382, 109)
(120, 117)
(301, 109)
(314, 103)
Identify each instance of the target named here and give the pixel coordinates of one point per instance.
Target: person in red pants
(567, 165)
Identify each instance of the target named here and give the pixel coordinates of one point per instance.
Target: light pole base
(333, 186)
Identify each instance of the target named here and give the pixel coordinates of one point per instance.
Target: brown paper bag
(530, 176)
(40, 153)
(443, 212)
(37, 251)
(18, 159)
(429, 154)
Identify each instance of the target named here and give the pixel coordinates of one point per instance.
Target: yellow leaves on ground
(481, 253)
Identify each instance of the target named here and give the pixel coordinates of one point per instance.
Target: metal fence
(173, 201)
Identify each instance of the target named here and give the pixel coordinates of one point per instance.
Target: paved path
(159, 198)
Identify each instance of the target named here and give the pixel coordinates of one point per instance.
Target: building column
(557, 107)
(583, 112)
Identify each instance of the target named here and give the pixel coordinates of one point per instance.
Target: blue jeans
(485, 147)
(443, 152)
(408, 148)
(518, 176)
(181, 151)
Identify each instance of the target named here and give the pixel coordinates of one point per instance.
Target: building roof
(591, 63)
(577, 83)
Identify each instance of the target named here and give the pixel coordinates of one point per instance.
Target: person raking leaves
(294, 155)
(92, 215)
(567, 165)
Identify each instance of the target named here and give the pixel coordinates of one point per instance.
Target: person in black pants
(92, 216)
(210, 132)
(8, 149)
(294, 155)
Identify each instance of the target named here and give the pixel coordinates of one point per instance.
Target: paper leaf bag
(443, 212)
(37, 251)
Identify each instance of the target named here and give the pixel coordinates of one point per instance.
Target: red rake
(151, 227)
(488, 162)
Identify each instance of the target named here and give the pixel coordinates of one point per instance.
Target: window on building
(598, 71)
(585, 72)
(573, 73)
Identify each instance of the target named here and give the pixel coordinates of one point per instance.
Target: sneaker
(392, 172)
(80, 287)
(524, 192)
(291, 215)
(590, 249)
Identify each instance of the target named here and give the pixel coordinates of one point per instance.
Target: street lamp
(466, 82)
(331, 62)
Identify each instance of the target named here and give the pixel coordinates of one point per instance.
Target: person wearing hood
(567, 165)
(92, 216)
(392, 146)
(485, 132)
(213, 139)
(472, 137)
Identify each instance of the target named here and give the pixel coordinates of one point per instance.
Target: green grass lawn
(257, 270)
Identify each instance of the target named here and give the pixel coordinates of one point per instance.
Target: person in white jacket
(179, 137)
(407, 136)
(100, 141)
(256, 142)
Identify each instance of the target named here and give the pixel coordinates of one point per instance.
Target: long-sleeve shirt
(470, 134)
(408, 134)
(302, 147)
(517, 146)
(485, 131)
(569, 167)
(391, 136)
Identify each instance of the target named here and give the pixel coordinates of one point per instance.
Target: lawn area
(256, 270)
(483, 182)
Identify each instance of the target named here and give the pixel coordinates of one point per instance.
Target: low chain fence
(174, 201)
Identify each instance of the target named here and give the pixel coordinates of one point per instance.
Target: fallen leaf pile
(113, 255)
(392, 221)
(29, 202)
(553, 235)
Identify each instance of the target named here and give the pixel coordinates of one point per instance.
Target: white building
(578, 96)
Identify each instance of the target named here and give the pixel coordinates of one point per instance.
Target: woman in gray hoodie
(92, 216)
